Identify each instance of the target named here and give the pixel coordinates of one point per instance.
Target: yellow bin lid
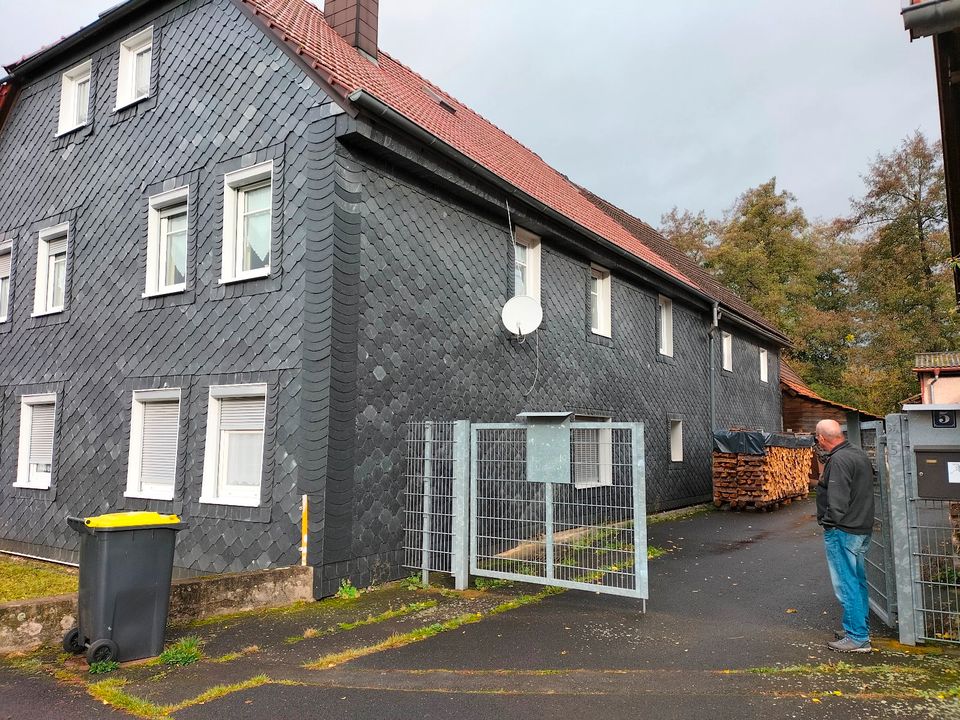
(130, 519)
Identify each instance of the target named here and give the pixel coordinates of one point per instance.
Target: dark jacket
(845, 491)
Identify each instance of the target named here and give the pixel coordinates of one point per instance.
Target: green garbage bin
(126, 563)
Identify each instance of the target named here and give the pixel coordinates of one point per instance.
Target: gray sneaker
(846, 645)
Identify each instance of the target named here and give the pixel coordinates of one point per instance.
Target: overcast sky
(653, 104)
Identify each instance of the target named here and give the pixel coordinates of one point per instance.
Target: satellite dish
(522, 315)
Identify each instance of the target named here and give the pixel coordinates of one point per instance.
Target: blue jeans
(845, 558)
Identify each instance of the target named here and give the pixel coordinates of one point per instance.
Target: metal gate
(926, 541)
(881, 581)
(556, 503)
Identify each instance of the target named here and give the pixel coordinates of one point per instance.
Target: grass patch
(369, 620)
(25, 579)
(482, 583)
(103, 667)
(684, 514)
(831, 668)
(184, 651)
(653, 552)
(412, 582)
(423, 633)
(219, 691)
(111, 692)
(230, 657)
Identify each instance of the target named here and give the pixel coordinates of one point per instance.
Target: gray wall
(434, 274)
(224, 96)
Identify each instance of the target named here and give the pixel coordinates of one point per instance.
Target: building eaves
(301, 26)
(936, 361)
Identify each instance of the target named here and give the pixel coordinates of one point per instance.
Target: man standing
(845, 510)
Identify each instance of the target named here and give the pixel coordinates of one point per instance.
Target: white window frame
(604, 440)
(602, 275)
(43, 290)
(135, 486)
(6, 281)
(69, 106)
(764, 366)
(676, 441)
(726, 342)
(130, 49)
(234, 184)
(26, 478)
(159, 205)
(665, 306)
(532, 243)
(211, 463)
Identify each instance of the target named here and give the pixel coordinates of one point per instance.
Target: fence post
(427, 499)
(639, 490)
(890, 576)
(548, 517)
(460, 551)
(900, 499)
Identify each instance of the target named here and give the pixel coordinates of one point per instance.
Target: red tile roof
(301, 25)
(792, 383)
(663, 247)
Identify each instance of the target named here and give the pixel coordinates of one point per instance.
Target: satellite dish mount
(522, 315)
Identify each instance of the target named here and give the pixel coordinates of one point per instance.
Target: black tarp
(755, 442)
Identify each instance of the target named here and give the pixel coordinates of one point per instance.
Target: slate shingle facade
(390, 268)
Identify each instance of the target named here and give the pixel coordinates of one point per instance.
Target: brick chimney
(356, 21)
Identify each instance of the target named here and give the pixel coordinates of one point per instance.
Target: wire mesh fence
(428, 512)
(937, 550)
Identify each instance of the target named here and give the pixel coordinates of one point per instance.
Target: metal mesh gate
(937, 552)
(573, 516)
(879, 560)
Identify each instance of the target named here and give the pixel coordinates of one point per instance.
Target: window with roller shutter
(591, 454)
(5, 268)
(38, 414)
(154, 443)
(233, 465)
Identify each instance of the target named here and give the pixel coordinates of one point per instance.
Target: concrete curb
(29, 624)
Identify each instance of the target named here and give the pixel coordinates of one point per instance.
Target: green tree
(693, 234)
(766, 255)
(904, 286)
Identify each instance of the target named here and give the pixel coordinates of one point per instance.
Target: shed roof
(793, 384)
(937, 361)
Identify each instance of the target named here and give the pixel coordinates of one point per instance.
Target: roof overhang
(931, 17)
(106, 19)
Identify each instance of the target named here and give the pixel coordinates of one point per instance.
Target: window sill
(64, 133)
(27, 486)
(46, 312)
(130, 103)
(235, 502)
(591, 486)
(598, 333)
(244, 278)
(164, 293)
(147, 496)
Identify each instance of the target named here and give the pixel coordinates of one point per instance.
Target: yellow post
(303, 532)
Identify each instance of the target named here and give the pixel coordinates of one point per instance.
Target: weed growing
(103, 667)
(184, 651)
(347, 591)
(412, 582)
(482, 583)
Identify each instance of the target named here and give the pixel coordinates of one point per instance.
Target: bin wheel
(72, 642)
(101, 650)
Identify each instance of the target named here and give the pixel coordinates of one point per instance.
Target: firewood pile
(743, 481)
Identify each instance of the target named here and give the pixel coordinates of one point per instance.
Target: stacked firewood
(761, 482)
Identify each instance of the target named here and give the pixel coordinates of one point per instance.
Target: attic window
(439, 100)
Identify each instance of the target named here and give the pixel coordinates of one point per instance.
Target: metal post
(890, 574)
(639, 490)
(460, 550)
(900, 499)
(427, 499)
(474, 471)
(548, 517)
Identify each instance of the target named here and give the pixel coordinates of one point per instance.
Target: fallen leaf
(791, 611)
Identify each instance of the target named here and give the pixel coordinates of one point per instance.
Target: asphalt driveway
(740, 610)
